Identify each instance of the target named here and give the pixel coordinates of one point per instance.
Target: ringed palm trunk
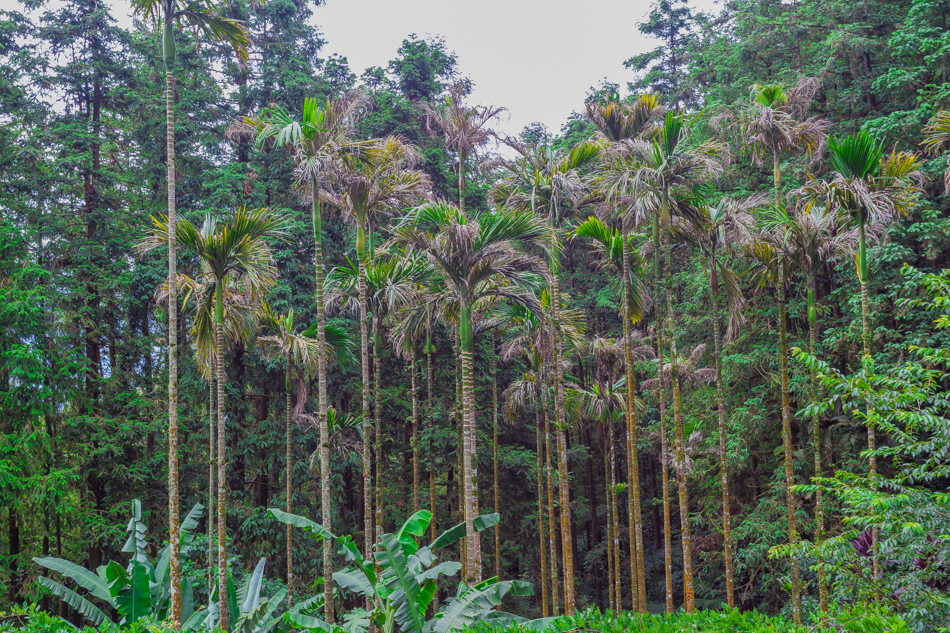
(615, 517)
(567, 550)
(211, 465)
(494, 405)
(866, 341)
(325, 509)
(787, 444)
(430, 378)
(816, 440)
(222, 475)
(664, 444)
(611, 572)
(415, 431)
(468, 430)
(634, 512)
(289, 492)
(552, 523)
(377, 414)
(721, 406)
(367, 423)
(542, 548)
(689, 598)
(174, 525)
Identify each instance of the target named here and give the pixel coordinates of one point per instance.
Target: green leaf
(354, 580)
(404, 590)
(309, 622)
(77, 602)
(250, 594)
(457, 533)
(89, 581)
(130, 590)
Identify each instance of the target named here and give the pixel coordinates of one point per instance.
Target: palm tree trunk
(664, 445)
(174, 526)
(367, 424)
(816, 440)
(787, 444)
(545, 606)
(325, 509)
(611, 572)
(634, 512)
(494, 405)
(552, 523)
(866, 341)
(415, 430)
(468, 431)
(460, 446)
(567, 550)
(462, 181)
(689, 598)
(430, 378)
(615, 518)
(721, 406)
(288, 476)
(377, 414)
(222, 475)
(211, 504)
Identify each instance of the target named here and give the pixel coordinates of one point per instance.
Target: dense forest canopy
(299, 321)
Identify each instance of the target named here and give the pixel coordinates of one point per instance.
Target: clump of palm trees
(642, 186)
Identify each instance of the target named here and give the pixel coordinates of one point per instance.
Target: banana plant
(248, 611)
(400, 579)
(138, 590)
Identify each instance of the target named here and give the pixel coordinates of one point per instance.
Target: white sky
(538, 58)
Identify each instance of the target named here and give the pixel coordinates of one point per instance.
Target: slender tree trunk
(415, 430)
(552, 523)
(609, 545)
(468, 431)
(212, 506)
(559, 423)
(288, 476)
(222, 474)
(174, 526)
(326, 514)
(664, 444)
(721, 406)
(545, 606)
(430, 378)
(689, 598)
(866, 341)
(494, 405)
(634, 512)
(787, 444)
(378, 414)
(816, 442)
(367, 422)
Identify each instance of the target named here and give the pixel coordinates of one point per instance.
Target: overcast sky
(538, 58)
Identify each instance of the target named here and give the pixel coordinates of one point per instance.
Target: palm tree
(202, 16)
(868, 187)
(316, 140)
(813, 239)
(368, 183)
(240, 323)
(300, 355)
(615, 251)
(550, 182)
(377, 286)
(662, 175)
(617, 121)
(937, 139)
(723, 226)
(233, 251)
(464, 127)
(773, 124)
(477, 258)
(530, 338)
